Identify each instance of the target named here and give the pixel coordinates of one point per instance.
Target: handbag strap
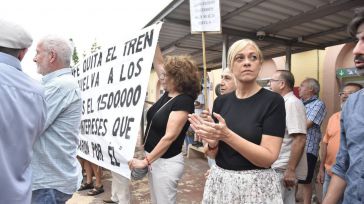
(151, 121)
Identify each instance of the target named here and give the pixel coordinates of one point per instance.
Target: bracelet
(148, 162)
(212, 148)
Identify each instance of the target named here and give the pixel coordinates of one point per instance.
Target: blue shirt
(22, 119)
(54, 164)
(315, 112)
(350, 158)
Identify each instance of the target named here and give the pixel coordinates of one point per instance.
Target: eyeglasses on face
(346, 93)
(273, 80)
(162, 76)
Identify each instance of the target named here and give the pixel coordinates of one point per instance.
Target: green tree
(75, 58)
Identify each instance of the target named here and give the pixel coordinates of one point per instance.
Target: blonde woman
(247, 132)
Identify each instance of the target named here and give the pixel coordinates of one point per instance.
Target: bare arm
(262, 155)
(176, 121)
(321, 174)
(336, 190)
(158, 62)
(298, 145)
(175, 124)
(210, 152)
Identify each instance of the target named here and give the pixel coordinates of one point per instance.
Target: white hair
(313, 84)
(61, 46)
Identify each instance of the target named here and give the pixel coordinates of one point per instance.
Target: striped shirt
(315, 112)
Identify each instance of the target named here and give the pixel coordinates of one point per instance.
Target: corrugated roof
(299, 24)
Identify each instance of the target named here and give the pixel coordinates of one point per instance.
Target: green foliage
(75, 58)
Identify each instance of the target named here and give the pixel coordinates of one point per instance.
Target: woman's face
(166, 82)
(246, 65)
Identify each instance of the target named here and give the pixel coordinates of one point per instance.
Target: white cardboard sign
(113, 82)
(205, 16)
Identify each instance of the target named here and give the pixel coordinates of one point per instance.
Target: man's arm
(336, 190)
(298, 145)
(321, 174)
(57, 100)
(316, 115)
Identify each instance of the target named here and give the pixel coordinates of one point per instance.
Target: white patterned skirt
(248, 186)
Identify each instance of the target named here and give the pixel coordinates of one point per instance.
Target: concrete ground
(190, 187)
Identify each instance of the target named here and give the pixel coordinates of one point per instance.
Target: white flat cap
(14, 36)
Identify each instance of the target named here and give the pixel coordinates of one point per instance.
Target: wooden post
(204, 68)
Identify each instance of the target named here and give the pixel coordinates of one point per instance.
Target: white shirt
(295, 124)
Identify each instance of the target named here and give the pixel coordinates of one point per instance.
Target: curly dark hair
(356, 21)
(183, 70)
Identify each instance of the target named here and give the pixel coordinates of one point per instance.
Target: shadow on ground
(190, 187)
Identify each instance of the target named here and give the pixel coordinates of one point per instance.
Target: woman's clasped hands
(205, 127)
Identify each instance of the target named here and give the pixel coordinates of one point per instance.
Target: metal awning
(290, 26)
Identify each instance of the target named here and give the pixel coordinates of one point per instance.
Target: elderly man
(22, 115)
(290, 165)
(348, 174)
(331, 140)
(227, 84)
(315, 113)
(57, 173)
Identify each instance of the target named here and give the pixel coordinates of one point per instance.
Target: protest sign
(205, 16)
(113, 82)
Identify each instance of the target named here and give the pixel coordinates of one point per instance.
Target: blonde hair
(239, 46)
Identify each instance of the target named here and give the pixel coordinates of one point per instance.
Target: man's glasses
(345, 93)
(273, 80)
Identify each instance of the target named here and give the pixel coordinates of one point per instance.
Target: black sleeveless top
(181, 102)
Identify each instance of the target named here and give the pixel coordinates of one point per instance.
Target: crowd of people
(40, 122)
(263, 143)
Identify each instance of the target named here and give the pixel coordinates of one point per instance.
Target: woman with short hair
(246, 134)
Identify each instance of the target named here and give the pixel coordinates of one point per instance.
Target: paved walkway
(190, 188)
